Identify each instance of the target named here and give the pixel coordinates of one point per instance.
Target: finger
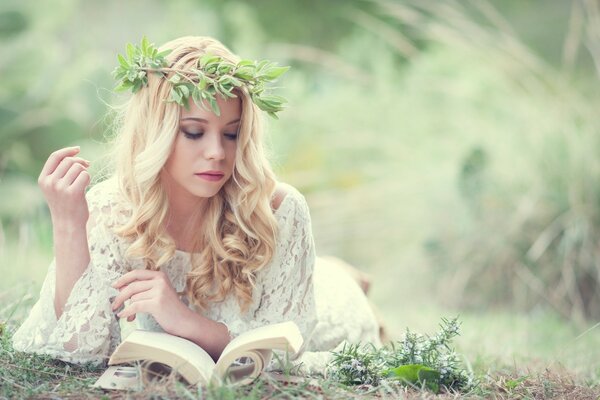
(73, 173)
(55, 159)
(130, 290)
(81, 182)
(146, 295)
(131, 318)
(66, 164)
(134, 308)
(135, 275)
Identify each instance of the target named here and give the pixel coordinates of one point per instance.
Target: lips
(211, 175)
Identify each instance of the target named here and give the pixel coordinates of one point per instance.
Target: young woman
(191, 234)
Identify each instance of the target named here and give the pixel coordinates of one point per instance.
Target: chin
(204, 193)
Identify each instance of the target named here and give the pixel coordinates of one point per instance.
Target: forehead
(231, 109)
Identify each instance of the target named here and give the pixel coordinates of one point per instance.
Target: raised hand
(150, 292)
(63, 180)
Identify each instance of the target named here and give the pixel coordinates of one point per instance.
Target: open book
(241, 361)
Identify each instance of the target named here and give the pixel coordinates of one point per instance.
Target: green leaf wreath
(213, 76)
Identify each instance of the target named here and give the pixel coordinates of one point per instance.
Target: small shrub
(431, 359)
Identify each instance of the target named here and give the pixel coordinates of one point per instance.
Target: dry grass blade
(574, 37)
(393, 36)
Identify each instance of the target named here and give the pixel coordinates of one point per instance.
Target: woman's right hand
(63, 180)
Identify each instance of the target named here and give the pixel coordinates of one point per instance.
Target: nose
(214, 148)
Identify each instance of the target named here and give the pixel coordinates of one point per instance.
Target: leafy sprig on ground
(417, 360)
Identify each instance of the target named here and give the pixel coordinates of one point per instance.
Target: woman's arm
(63, 181)
(151, 292)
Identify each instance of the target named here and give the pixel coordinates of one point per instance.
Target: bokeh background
(447, 148)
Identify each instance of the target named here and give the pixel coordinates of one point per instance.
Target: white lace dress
(322, 299)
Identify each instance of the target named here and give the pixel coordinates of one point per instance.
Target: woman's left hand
(150, 292)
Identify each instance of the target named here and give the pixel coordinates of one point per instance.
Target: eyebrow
(203, 120)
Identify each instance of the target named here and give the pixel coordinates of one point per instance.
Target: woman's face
(203, 156)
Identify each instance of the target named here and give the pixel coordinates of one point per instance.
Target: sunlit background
(447, 148)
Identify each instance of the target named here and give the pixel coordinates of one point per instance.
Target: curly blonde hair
(237, 234)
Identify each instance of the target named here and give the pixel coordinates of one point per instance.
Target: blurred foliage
(534, 225)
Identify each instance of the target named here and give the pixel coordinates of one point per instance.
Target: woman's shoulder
(288, 203)
(284, 192)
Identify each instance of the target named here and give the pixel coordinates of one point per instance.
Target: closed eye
(193, 135)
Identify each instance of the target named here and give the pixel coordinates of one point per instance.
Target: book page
(257, 345)
(245, 373)
(184, 356)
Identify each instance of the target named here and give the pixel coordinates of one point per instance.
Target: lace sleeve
(87, 330)
(285, 285)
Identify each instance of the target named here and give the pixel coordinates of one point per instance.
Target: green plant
(213, 75)
(419, 360)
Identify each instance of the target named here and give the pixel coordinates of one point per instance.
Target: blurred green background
(448, 148)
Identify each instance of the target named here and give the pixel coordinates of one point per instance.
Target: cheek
(177, 157)
(231, 155)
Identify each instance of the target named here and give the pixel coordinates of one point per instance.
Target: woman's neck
(184, 229)
(184, 216)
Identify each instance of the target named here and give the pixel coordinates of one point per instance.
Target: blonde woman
(191, 234)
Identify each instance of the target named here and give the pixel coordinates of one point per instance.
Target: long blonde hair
(237, 234)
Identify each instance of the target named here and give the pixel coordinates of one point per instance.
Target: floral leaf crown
(213, 75)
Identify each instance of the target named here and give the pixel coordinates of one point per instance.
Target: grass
(530, 375)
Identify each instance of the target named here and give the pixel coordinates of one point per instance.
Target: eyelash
(196, 136)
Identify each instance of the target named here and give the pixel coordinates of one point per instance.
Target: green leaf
(207, 59)
(137, 86)
(119, 73)
(224, 68)
(276, 72)
(430, 378)
(123, 61)
(261, 104)
(262, 64)
(214, 106)
(164, 53)
(202, 83)
(130, 52)
(244, 73)
(271, 98)
(175, 79)
(197, 98)
(175, 95)
(235, 82)
(416, 374)
(230, 94)
(185, 90)
(145, 45)
(123, 86)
